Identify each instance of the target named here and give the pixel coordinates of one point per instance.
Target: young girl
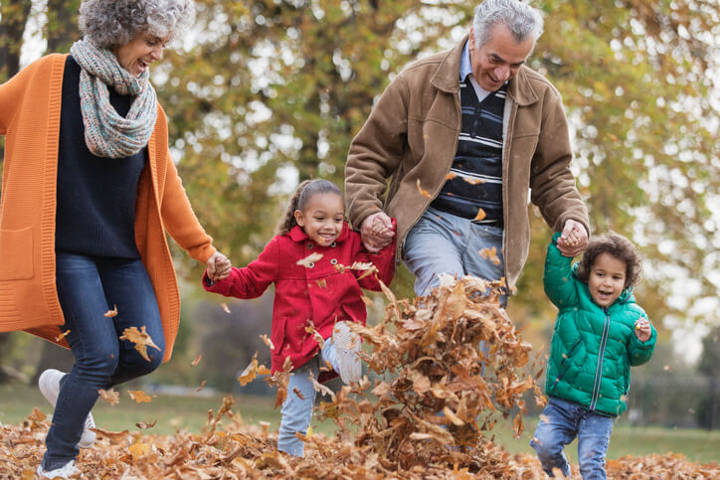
(599, 333)
(322, 291)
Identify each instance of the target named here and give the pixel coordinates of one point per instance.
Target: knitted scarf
(108, 134)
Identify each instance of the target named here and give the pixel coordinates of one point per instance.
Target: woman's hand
(218, 266)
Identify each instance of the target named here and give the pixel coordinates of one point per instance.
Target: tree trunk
(12, 27)
(62, 28)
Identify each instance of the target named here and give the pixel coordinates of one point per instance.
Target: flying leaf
(110, 396)
(423, 192)
(111, 313)
(141, 339)
(480, 215)
(225, 308)
(266, 340)
(310, 260)
(62, 335)
(197, 360)
(139, 396)
(201, 386)
(145, 425)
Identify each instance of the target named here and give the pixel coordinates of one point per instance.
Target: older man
(463, 135)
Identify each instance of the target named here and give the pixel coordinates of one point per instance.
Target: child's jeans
(560, 422)
(296, 412)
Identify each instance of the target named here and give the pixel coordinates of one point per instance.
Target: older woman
(88, 191)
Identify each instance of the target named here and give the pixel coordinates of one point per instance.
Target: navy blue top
(95, 213)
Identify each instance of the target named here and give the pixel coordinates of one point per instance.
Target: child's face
(322, 217)
(607, 279)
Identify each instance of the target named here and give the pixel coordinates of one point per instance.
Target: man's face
(499, 59)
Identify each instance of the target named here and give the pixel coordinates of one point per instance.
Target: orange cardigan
(30, 105)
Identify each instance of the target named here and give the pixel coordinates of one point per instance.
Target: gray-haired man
(463, 135)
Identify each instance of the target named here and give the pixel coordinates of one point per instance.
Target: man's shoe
(49, 383)
(65, 472)
(347, 346)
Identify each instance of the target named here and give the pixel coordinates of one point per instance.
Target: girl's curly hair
(617, 246)
(111, 23)
(302, 194)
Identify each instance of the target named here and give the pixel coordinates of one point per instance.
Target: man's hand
(218, 266)
(376, 232)
(574, 238)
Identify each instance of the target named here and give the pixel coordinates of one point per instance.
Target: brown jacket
(412, 134)
(30, 105)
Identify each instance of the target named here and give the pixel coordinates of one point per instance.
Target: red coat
(320, 292)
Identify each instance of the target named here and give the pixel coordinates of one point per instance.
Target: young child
(600, 332)
(318, 290)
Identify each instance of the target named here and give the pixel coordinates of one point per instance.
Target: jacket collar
(297, 234)
(447, 77)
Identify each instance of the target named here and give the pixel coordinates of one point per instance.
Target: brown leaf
(139, 396)
(141, 339)
(111, 313)
(480, 215)
(201, 386)
(62, 335)
(146, 425)
(423, 192)
(197, 360)
(110, 396)
(225, 307)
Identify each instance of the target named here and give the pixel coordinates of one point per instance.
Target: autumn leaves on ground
(429, 413)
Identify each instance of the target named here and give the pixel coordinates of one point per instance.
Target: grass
(190, 413)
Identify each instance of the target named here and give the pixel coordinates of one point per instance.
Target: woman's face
(137, 55)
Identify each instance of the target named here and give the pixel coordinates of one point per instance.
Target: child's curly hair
(302, 194)
(617, 246)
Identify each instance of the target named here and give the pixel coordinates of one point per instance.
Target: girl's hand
(643, 331)
(573, 240)
(218, 267)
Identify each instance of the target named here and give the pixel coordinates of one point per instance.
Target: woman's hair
(110, 23)
(617, 246)
(302, 195)
(522, 20)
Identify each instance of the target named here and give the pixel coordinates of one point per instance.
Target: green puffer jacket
(592, 348)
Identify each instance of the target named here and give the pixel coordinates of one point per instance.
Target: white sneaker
(347, 346)
(49, 383)
(65, 472)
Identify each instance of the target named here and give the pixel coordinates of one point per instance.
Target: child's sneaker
(347, 346)
(65, 472)
(49, 383)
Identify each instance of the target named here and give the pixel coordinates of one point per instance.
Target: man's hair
(522, 20)
(617, 246)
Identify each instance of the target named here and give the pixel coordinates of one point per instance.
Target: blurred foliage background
(262, 94)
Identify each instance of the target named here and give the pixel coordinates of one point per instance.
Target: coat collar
(447, 77)
(297, 234)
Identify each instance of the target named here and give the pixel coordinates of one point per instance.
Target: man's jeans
(296, 412)
(444, 243)
(87, 288)
(560, 422)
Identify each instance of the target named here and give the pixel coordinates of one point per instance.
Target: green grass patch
(191, 413)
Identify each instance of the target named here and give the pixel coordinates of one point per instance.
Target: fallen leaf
(202, 385)
(146, 425)
(424, 193)
(266, 340)
(225, 308)
(480, 215)
(197, 360)
(62, 335)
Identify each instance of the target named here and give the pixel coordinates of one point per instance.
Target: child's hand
(218, 267)
(573, 239)
(643, 331)
(381, 228)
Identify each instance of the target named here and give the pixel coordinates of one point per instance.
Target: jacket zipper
(508, 126)
(601, 356)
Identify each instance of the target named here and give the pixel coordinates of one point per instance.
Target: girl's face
(137, 55)
(607, 279)
(322, 218)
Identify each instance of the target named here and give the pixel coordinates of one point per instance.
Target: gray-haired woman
(89, 190)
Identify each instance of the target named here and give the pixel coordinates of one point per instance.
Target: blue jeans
(444, 243)
(296, 412)
(561, 422)
(87, 288)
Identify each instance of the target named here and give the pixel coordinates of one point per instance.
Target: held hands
(574, 238)
(376, 232)
(218, 267)
(643, 331)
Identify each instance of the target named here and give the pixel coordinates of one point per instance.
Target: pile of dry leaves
(434, 396)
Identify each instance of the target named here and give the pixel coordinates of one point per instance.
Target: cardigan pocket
(16, 254)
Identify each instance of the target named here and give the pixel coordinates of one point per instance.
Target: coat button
(310, 245)
(333, 261)
(333, 244)
(311, 265)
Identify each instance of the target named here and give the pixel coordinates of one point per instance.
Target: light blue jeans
(296, 412)
(561, 422)
(444, 243)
